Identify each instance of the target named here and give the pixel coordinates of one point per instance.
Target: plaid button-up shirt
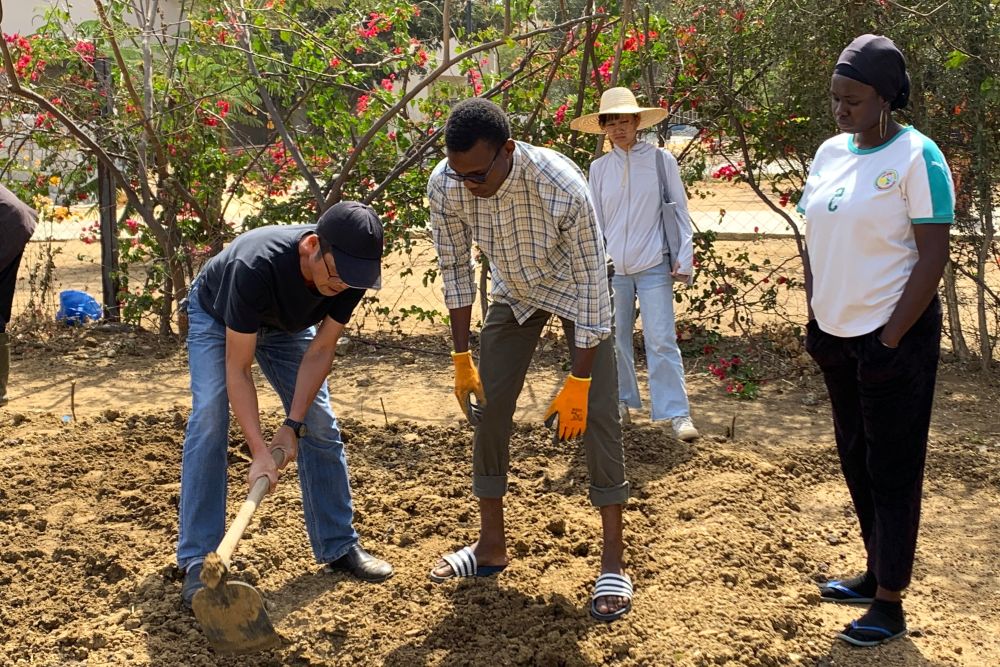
(540, 234)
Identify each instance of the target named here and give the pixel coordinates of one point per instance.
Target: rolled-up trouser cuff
(613, 495)
(489, 486)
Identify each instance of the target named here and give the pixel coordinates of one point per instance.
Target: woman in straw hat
(642, 210)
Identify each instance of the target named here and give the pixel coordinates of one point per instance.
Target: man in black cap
(262, 297)
(17, 224)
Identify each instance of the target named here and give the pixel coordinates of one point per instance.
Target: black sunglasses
(475, 178)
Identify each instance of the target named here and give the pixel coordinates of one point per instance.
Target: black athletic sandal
(858, 590)
(869, 635)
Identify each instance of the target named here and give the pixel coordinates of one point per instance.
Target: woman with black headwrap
(878, 203)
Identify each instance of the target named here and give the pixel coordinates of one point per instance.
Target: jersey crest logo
(886, 179)
(832, 205)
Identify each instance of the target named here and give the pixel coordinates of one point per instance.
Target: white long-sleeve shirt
(626, 196)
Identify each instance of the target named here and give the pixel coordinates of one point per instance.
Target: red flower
(603, 70)
(421, 57)
(335, 62)
(363, 104)
(85, 50)
(560, 116)
(727, 172)
(223, 107)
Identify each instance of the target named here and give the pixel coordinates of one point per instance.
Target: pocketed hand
(567, 414)
(678, 276)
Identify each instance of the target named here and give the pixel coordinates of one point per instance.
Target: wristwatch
(298, 427)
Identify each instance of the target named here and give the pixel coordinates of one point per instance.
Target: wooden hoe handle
(242, 520)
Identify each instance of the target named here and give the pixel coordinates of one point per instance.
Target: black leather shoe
(192, 584)
(361, 564)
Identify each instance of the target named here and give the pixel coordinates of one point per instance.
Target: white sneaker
(684, 428)
(624, 414)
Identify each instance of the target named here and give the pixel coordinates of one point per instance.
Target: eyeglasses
(475, 178)
(331, 274)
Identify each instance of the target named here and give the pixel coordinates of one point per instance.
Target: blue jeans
(322, 465)
(655, 289)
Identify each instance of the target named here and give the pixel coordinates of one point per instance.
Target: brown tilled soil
(726, 538)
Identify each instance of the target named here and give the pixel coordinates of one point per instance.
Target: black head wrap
(875, 61)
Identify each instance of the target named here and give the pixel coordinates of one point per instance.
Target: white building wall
(24, 16)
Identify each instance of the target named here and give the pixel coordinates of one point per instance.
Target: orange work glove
(467, 383)
(568, 412)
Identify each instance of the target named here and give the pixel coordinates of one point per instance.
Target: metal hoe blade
(234, 619)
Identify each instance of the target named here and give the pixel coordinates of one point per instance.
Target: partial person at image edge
(879, 203)
(17, 224)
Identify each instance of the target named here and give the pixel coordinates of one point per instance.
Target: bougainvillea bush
(269, 111)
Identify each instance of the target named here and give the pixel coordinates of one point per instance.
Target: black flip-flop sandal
(836, 591)
(868, 635)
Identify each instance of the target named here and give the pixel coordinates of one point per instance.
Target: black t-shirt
(257, 282)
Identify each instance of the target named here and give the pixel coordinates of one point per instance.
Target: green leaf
(955, 59)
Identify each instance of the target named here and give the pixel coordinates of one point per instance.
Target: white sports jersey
(860, 207)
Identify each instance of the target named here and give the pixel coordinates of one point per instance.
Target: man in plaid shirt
(528, 209)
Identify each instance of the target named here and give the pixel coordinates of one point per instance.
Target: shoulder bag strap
(661, 176)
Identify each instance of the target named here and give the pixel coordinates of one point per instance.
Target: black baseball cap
(354, 233)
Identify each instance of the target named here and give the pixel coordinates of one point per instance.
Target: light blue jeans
(322, 464)
(655, 289)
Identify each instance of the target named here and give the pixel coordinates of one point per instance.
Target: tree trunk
(982, 256)
(446, 31)
(623, 30)
(958, 345)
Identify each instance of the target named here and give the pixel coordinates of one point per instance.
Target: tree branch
(418, 153)
(272, 111)
(15, 87)
(363, 142)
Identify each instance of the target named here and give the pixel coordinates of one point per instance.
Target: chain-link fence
(410, 300)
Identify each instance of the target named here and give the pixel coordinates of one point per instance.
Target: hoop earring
(883, 123)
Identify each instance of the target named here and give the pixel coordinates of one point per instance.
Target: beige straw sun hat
(618, 101)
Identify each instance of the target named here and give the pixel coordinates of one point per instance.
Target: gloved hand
(568, 412)
(467, 383)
